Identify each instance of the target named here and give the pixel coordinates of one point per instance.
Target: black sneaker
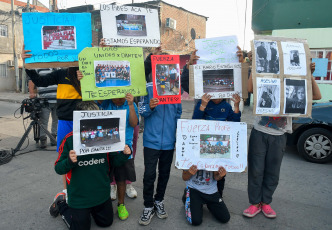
(54, 209)
(146, 217)
(160, 209)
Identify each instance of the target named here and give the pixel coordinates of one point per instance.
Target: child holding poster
(267, 144)
(220, 110)
(159, 142)
(202, 189)
(88, 183)
(127, 170)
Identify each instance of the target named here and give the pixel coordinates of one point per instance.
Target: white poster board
(97, 131)
(217, 50)
(218, 80)
(211, 144)
(130, 26)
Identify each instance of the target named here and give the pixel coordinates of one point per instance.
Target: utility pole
(17, 78)
(24, 77)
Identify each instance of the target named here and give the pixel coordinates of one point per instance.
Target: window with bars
(3, 31)
(324, 53)
(3, 70)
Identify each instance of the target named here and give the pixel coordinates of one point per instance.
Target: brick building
(7, 72)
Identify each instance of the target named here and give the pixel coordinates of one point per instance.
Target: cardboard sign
(217, 50)
(281, 77)
(99, 131)
(56, 37)
(320, 67)
(112, 72)
(166, 78)
(211, 144)
(130, 26)
(218, 80)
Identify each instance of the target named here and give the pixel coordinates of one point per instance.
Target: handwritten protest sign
(320, 67)
(130, 25)
(112, 72)
(218, 80)
(166, 78)
(99, 131)
(56, 37)
(217, 50)
(281, 77)
(211, 144)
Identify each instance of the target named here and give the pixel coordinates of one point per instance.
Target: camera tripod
(36, 125)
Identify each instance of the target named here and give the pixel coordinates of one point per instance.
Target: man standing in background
(50, 94)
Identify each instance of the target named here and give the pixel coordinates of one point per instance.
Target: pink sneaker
(252, 211)
(268, 211)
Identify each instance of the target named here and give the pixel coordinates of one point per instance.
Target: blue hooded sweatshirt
(159, 123)
(220, 112)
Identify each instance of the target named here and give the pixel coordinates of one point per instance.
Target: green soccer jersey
(88, 180)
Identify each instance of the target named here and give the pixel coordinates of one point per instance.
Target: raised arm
(316, 95)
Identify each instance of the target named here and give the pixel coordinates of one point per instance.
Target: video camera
(33, 105)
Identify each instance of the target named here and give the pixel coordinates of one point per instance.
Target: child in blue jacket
(159, 137)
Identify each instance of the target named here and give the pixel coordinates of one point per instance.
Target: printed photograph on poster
(99, 131)
(59, 37)
(112, 73)
(268, 95)
(215, 146)
(295, 96)
(267, 57)
(221, 80)
(218, 80)
(211, 144)
(131, 25)
(167, 79)
(294, 58)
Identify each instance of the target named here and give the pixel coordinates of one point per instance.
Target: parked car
(313, 136)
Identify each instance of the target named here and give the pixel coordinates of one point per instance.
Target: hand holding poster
(56, 37)
(130, 26)
(218, 80)
(99, 131)
(112, 72)
(211, 144)
(217, 50)
(166, 78)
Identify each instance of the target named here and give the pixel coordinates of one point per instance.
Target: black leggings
(214, 203)
(80, 219)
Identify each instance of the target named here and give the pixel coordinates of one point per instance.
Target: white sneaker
(113, 192)
(130, 191)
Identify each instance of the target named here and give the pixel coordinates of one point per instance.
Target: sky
(226, 17)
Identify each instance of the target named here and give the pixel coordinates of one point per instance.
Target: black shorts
(125, 172)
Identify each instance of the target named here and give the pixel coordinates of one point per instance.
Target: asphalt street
(28, 184)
